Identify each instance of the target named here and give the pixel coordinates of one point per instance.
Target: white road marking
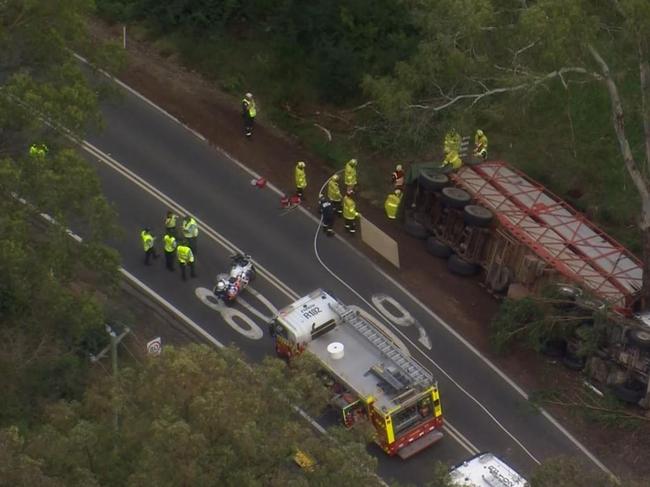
(406, 318)
(448, 327)
(233, 317)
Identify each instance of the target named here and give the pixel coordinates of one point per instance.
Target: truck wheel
(631, 392)
(455, 197)
(414, 228)
(438, 248)
(641, 338)
(573, 362)
(460, 267)
(477, 216)
(554, 348)
(432, 180)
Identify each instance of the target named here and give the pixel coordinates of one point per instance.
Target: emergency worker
(334, 194)
(327, 212)
(397, 178)
(480, 144)
(185, 258)
(38, 151)
(350, 213)
(350, 174)
(170, 223)
(249, 112)
(170, 249)
(148, 245)
(300, 178)
(391, 205)
(452, 141)
(190, 232)
(452, 161)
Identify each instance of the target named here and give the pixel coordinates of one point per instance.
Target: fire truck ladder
(414, 371)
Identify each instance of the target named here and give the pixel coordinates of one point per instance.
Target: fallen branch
(327, 132)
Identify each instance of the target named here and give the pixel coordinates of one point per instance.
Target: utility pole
(115, 341)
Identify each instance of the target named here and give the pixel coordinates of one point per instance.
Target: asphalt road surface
(149, 163)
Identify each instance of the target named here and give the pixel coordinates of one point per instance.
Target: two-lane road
(156, 164)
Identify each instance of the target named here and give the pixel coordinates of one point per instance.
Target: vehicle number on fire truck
(311, 312)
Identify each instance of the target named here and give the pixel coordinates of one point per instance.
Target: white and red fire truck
(371, 377)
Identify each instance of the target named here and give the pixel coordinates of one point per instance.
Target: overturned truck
(493, 220)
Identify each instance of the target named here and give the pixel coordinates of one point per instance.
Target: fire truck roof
(371, 364)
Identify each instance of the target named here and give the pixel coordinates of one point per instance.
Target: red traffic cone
(260, 183)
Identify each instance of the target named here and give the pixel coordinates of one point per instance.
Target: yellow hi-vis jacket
(170, 221)
(480, 142)
(333, 190)
(391, 205)
(452, 142)
(300, 177)
(190, 228)
(452, 159)
(249, 106)
(147, 240)
(184, 253)
(170, 243)
(350, 174)
(349, 208)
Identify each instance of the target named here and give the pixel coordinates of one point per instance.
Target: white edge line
(489, 363)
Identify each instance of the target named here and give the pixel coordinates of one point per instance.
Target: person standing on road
(350, 174)
(300, 178)
(170, 250)
(190, 232)
(148, 245)
(334, 194)
(350, 213)
(327, 212)
(397, 178)
(185, 259)
(249, 112)
(170, 223)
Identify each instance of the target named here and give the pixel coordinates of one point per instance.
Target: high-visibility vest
(452, 159)
(170, 243)
(249, 106)
(333, 190)
(480, 142)
(170, 221)
(147, 240)
(190, 228)
(350, 174)
(349, 208)
(38, 150)
(452, 142)
(184, 254)
(301, 177)
(391, 205)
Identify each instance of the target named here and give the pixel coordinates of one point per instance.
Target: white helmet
(398, 167)
(301, 164)
(249, 96)
(221, 286)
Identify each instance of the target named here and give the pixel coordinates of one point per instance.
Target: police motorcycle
(228, 286)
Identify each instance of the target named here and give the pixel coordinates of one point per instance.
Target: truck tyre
(641, 338)
(438, 248)
(630, 393)
(573, 362)
(554, 347)
(432, 180)
(455, 197)
(477, 216)
(460, 267)
(414, 228)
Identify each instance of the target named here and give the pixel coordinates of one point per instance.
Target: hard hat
(479, 132)
(335, 177)
(398, 167)
(301, 164)
(221, 286)
(398, 192)
(249, 96)
(353, 162)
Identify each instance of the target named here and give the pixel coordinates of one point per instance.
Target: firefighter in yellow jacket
(334, 194)
(300, 178)
(350, 174)
(452, 160)
(391, 205)
(480, 144)
(350, 213)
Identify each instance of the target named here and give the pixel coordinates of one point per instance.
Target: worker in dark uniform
(328, 213)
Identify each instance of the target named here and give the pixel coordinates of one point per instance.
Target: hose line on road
(433, 362)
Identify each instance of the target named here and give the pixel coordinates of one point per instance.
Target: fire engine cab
(370, 376)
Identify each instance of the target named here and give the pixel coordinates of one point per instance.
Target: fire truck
(489, 218)
(370, 376)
